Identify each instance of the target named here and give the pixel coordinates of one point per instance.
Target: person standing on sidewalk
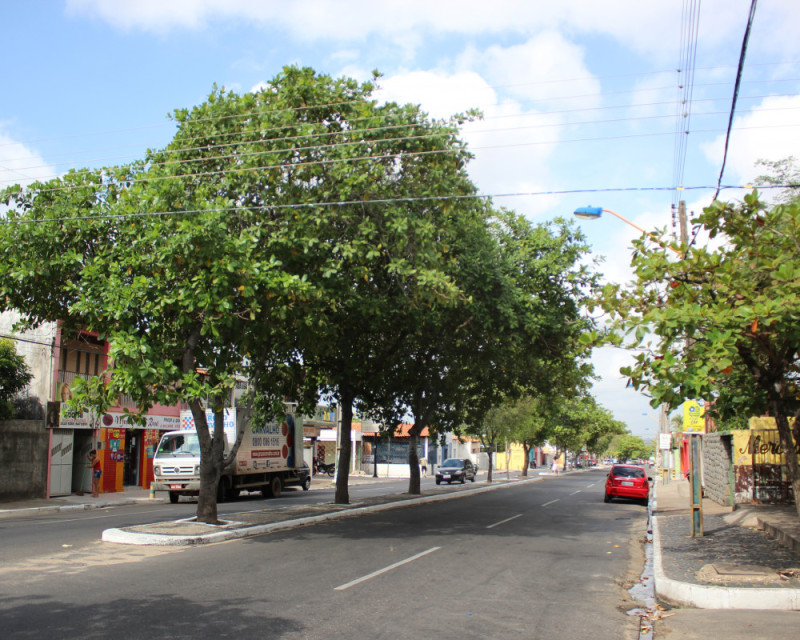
(554, 467)
(97, 473)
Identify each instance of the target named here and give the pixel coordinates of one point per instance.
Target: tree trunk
(491, 461)
(526, 454)
(788, 445)
(209, 471)
(414, 483)
(345, 448)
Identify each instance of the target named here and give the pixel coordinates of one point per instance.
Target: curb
(785, 538)
(123, 536)
(9, 513)
(700, 596)
(714, 597)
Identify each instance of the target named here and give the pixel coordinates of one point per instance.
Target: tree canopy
(722, 323)
(293, 235)
(14, 376)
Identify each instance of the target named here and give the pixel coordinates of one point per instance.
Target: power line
(341, 203)
(736, 90)
(472, 130)
(516, 116)
(106, 132)
(140, 179)
(690, 24)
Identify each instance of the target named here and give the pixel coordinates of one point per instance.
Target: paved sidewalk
(78, 502)
(735, 564)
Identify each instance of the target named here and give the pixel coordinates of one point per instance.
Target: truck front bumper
(182, 485)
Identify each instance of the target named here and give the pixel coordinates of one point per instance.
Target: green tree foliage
(722, 323)
(515, 323)
(283, 234)
(629, 447)
(14, 377)
(783, 174)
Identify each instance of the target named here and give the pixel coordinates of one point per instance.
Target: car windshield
(179, 445)
(628, 472)
(453, 463)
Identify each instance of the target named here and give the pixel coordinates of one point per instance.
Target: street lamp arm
(592, 213)
(636, 226)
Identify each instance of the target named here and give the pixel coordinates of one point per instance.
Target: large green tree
(627, 446)
(516, 332)
(271, 225)
(14, 376)
(722, 323)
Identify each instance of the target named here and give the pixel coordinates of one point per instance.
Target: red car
(627, 481)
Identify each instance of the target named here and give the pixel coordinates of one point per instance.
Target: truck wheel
(173, 497)
(273, 489)
(307, 483)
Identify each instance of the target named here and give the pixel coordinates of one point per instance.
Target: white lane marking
(574, 492)
(551, 502)
(384, 570)
(492, 526)
(589, 486)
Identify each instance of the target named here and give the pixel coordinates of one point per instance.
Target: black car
(456, 470)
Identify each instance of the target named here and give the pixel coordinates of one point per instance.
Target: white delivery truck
(269, 458)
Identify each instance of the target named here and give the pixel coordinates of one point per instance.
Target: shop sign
(121, 421)
(694, 416)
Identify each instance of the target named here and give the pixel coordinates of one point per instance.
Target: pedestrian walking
(554, 467)
(97, 473)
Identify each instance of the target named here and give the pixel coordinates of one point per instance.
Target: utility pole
(682, 222)
(695, 441)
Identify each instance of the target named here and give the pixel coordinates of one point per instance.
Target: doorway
(131, 464)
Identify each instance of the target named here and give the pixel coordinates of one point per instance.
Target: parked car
(456, 469)
(627, 481)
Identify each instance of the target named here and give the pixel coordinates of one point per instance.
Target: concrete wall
(23, 459)
(36, 347)
(718, 467)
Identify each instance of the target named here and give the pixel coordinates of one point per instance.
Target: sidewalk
(78, 502)
(735, 564)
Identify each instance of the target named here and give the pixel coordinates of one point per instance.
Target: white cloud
(770, 131)
(545, 69)
(632, 21)
(20, 164)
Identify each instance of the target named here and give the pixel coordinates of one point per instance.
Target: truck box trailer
(269, 458)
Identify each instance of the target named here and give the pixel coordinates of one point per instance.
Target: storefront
(125, 450)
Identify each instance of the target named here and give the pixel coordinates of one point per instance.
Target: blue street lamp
(593, 213)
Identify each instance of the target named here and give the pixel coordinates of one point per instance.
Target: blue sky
(582, 98)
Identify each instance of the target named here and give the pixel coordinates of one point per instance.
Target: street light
(593, 213)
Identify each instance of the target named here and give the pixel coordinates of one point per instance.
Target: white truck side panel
(271, 447)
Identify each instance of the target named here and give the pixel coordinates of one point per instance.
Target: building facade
(125, 449)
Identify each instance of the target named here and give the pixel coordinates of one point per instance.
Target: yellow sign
(693, 416)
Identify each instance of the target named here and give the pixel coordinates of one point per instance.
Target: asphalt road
(29, 535)
(545, 559)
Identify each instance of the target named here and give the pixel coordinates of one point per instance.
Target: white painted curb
(716, 597)
(120, 536)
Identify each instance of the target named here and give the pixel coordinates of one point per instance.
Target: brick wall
(717, 466)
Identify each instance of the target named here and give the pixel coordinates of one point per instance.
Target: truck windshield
(179, 444)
